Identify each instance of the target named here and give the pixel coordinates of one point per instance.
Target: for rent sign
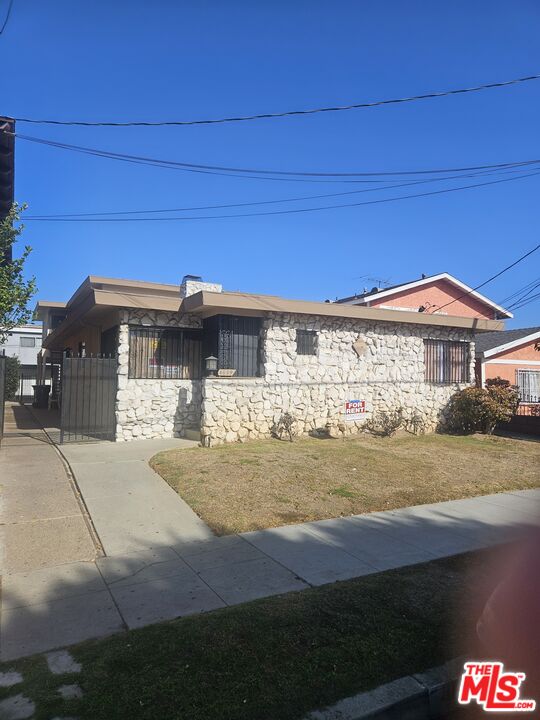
(355, 409)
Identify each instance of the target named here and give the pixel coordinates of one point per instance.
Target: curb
(429, 695)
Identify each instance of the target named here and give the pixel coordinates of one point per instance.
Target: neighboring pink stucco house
(513, 355)
(438, 294)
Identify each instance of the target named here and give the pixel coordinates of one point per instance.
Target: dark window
(109, 341)
(165, 353)
(235, 342)
(446, 361)
(56, 320)
(306, 342)
(28, 341)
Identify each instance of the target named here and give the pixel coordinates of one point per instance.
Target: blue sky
(182, 60)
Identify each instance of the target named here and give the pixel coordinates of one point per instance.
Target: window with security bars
(528, 382)
(165, 353)
(446, 361)
(306, 342)
(235, 341)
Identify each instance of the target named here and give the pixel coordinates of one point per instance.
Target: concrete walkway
(132, 508)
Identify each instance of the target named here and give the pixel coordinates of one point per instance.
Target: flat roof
(212, 303)
(99, 294)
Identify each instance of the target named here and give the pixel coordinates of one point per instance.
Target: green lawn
(272, 659)
(260, 484)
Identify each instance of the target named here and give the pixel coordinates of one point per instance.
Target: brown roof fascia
(73, 319)
(209, 303)
(137, 300)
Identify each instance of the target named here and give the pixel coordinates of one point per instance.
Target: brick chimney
(192, 284)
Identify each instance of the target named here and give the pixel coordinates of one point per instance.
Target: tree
(13, 368)
(15, 291)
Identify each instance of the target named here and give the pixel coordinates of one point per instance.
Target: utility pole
(7, 172)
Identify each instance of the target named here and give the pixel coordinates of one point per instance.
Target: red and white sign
(487, 684)
(355, 409)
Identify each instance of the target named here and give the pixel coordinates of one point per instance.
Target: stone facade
(386, 369)
(379, 362)
(154, 408)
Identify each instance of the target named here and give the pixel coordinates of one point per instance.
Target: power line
(508, 267)
(287, 113)
(6, 19)
(515, 295)
(522, 300)
(286, 212)
(529, 300)
(519, 291)
(199, 167)
(154, 211)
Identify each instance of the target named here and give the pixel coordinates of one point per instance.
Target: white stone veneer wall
(154, 408)
(389, 374)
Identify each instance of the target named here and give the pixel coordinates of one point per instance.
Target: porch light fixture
(211, 364)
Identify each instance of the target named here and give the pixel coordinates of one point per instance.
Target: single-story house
(513, 355)
(227, 365)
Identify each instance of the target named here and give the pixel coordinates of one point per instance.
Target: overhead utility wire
(515, 296)
(105, 214)
(524, 299)
(508, 267)
(211, 168)
(287, 113)
(526, 302)
(532, 299)
(520, 290)
(287, 212)
(6, 19)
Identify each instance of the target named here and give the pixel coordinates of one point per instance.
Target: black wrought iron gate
(88, 398)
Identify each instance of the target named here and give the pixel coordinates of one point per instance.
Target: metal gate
(27, 380)
(2, 393)
(88, 398)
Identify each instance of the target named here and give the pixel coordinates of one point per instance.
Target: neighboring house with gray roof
(513, 355)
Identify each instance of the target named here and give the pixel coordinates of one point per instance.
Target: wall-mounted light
(211, 364)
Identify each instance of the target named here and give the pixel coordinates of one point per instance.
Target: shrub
(12, 377)
(480, 409)
(284, 427)
(385, 424)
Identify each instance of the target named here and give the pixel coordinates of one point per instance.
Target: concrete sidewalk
(43, 522)
(173, 576)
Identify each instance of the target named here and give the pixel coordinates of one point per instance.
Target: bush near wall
(12, 377)
(481, 409)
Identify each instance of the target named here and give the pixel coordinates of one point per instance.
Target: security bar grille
(165, 353)
(238, 344)
(306, 342)
(528, 382)
(446, 361)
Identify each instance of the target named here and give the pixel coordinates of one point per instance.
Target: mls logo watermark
(489, 685)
